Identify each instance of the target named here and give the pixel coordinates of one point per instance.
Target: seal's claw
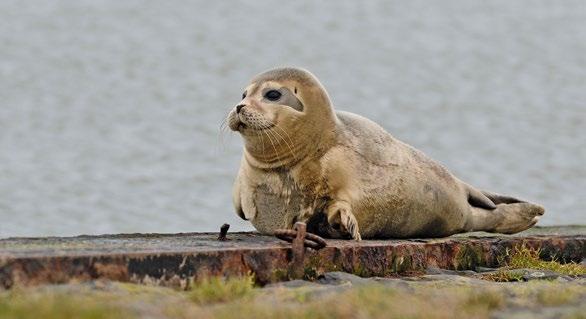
(349, 222)
(339, 213)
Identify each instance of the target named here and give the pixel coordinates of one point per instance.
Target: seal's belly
(276, 209)
(410, 207)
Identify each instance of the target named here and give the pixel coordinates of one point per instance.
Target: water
(110, 110)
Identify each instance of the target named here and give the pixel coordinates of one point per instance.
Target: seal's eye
(273, 95)
(243, 95)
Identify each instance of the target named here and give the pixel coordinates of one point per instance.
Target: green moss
(373, 301)
(217, 289)
(503, 275)
(310, 273)
(315, 266)
(279, 275)
(550, 293)
(488, 299)
(360, 271)
(577, 314)
(135, 289)
(238, 299)
(556, 297)
(469, 257)
(522, 256)
(53, 305)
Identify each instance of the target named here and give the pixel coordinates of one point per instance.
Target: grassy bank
(239, 299)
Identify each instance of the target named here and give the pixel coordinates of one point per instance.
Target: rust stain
(176, 260)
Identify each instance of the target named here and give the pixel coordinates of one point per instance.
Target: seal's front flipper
(340, 217)
(237, 202)
(477, 199)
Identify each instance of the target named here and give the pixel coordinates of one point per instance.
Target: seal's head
(283, 115)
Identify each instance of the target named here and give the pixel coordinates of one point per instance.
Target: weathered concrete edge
(272, 264)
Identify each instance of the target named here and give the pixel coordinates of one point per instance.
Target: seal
(345, 176)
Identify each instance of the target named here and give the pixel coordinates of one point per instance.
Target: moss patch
(60, 305)
(376, 301)
(238, 298)
(469, 257)
(523, 256)
(503, 275)
(486, 300)
(279, 275)
(218, 289)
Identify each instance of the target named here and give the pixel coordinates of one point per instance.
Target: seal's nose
(239, 107)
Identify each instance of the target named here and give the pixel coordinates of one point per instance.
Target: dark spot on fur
(427, 188)
(436, 227)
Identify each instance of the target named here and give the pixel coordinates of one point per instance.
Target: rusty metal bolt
(223, 232)
(298, 249)
(312, 241)
(299, 239)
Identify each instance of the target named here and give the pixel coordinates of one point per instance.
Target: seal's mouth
(234, 122)
(237, 125)
(245, 122)
(245, 127)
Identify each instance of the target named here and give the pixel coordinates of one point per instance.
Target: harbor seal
(344, 175)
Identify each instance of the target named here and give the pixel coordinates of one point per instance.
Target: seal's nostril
(239, 107)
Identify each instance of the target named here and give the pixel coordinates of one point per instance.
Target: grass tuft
(523, 256)
(488, 300)
(503, 275)
(218, 289)
(527, 257)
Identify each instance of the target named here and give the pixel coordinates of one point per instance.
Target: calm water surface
(110, 110)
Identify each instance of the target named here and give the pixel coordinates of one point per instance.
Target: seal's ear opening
(295, 90)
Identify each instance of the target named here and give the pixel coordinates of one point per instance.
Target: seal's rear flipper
(478, 199)
(502, 199)
(506, 218)
(517, 217)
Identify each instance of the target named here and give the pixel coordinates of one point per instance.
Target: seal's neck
(276, 148)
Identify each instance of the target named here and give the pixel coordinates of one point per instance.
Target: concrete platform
(176, 259)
